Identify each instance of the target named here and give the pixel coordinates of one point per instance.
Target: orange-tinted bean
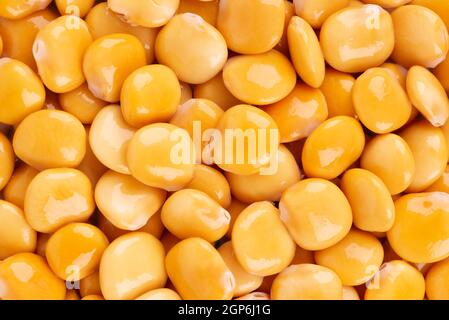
(160, 294)
(350, 293)
(259, 79)
(102, 21)
(76, 7)
(244, 282)
(307, 282)
(147, 13)
(74, 251)
(132, 265)
(428, 95)
(56, 197)
(208, 10)
(127, 203)
(91, 166)
(193, 48)
(21, 8)
(391, 159)
(337, 88)
(7, 160)
(213, 183)
(370, 200)
(192, 213)
(162, 155)
(298, 114)
(21, 93)
(255, 33)
(335, 145)
(108, 61)
(356, 258)
(64, 39)
(426, 46)
(305, 52)
(316, 12)
(260, 241)
(316, 213)
(437, 281)
(21, 48)
(357, 38)
(26, 276)
(429, 149)
(81, 103)
(150, 94)
(216, 91)
(206, 274)
(420, 232)
(396, 280)
(154, 227)
(90, 285)
(109, 137)
(257, 187)
(240, 123)
(16, 235)
(50, 139)
(17, 186)
(442, 184)
(380, 102)
(197, 116)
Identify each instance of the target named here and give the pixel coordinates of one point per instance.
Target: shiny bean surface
(56, 197)
(207, 275)
(50, 139)
(7, 160)
(333, 147)
(307, 282)
(420, 231)
(371, 202)
(145, 13)
(429, 149)
(26, 276)
(127, 203)
(357, 38)
(16, 235)
(397, 280)
(132, 265)
(255, 33)
(21, 93)
(191, 213)
(74, 251)
(260, 241)
(259, 79)
(380, 102)
(426, 46)
(64, 39)
(316, 213)
(152, 162)
(109, 137)
(108, 61)
(356, 258)
(391, 159)
(298, 114)
(194, 49)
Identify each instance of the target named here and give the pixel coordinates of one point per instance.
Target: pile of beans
(112, 178)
